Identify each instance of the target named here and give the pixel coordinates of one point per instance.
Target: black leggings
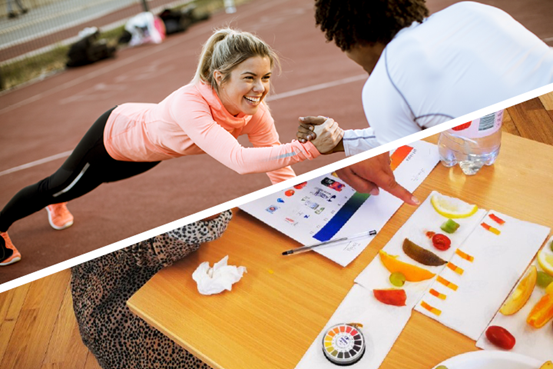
(88, 166)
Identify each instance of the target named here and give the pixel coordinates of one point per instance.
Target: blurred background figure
(176, 21)
(89, 49)
(230, 7)
(11, 13)
(143, 28)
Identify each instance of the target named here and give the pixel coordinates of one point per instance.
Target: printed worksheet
(326, 208)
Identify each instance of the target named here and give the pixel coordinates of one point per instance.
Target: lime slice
(451, 207)
(543, 279)
(545, 260)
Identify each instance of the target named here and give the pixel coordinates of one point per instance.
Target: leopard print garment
(101, 288)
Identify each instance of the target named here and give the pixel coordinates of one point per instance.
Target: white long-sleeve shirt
(461, 59)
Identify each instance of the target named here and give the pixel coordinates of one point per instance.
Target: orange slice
(521, 293)
(547, 365)
(411, 272)
(542, 312)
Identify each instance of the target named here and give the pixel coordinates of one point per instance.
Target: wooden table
(275, 312)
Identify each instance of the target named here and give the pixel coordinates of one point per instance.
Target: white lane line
(36, 162)
(283, 95)
(321, 86)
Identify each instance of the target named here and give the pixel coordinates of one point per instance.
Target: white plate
(491, 360)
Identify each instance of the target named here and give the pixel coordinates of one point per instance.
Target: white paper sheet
(499, 261)
(424, 219)
(536, 343)
(383, 323)
(304, 211)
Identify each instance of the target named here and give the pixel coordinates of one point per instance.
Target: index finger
(399, 191)
(359, 184)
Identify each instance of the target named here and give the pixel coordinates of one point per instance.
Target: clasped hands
(366, 176)
(323, 132)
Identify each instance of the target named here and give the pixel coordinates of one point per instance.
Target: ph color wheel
(344, 344)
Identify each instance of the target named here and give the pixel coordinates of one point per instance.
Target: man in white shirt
(423, 70)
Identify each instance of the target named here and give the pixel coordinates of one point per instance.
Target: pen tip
(286, 253)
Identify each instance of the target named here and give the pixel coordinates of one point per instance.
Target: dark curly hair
(351, 22)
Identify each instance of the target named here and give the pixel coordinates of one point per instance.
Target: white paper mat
(383, 323)
(499, 261)
(424, 219)
(537, 343)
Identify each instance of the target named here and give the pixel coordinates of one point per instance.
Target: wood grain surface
(275, 312)
(38, 328)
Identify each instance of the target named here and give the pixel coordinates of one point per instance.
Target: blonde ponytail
(225, 50)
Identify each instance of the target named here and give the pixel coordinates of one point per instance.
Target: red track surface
(50, 117)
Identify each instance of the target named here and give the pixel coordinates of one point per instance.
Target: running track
(42, 122)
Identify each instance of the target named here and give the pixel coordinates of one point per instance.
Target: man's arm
(353, 141)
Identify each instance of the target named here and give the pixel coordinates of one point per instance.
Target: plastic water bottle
(472, 145)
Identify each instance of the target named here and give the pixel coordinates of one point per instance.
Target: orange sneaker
(58, 216)
(8, 252)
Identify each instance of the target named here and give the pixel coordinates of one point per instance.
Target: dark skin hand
(305, 132)
(372, 174)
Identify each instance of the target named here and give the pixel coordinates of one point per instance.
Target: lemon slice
(521, 293)
(545, 260)
(451, 207)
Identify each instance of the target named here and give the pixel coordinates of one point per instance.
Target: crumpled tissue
(221, 277)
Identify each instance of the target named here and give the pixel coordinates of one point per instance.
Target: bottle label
(478, 128)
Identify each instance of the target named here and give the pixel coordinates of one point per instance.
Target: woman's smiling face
(246, 87)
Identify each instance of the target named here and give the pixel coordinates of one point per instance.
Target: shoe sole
(14, 260)
(66, 225)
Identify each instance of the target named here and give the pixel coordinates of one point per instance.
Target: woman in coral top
(224, 100)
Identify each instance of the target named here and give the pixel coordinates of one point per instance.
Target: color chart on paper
(356, 200)
(341, 217)
(314, 210)
(326, 208)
